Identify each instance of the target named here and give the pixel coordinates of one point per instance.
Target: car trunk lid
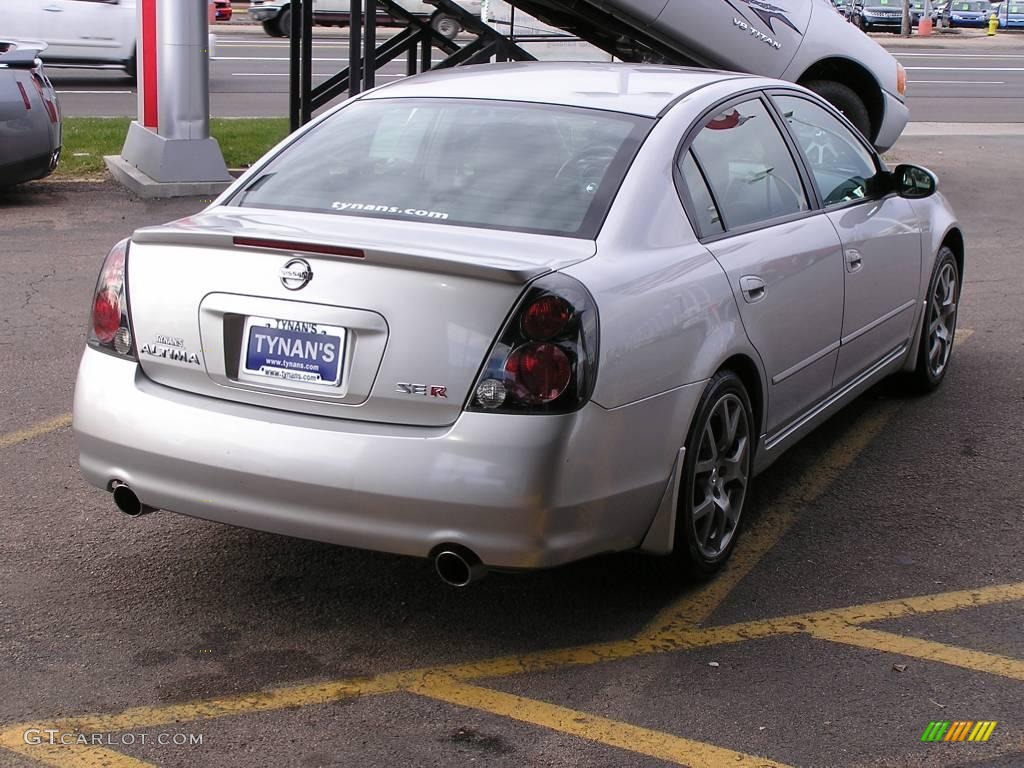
(398, 316)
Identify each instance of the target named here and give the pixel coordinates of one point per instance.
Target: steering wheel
(587, 163)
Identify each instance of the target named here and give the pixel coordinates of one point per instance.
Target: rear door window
(748, 166)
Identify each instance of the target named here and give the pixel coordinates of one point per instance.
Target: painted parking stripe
(917, 648)
(631, 738)
(37, 430)
(958, 82)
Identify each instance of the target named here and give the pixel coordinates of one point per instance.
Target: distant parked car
(78, 33)
(224, 10)
(29, 115)
(879, 13)
(969, 13)
(1011, 14)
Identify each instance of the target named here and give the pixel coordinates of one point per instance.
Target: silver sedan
(512, 316)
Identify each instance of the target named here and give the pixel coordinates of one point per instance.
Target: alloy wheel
(942, 319)
(721, 475)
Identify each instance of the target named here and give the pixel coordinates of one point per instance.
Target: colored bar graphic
(958, 730)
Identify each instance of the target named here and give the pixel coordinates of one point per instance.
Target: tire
(716, 477)
(938, 327)
(270, 27)
(284, 23)
(845, 99)
(446, 26)
(131, 69)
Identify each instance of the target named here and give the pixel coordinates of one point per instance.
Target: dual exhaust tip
(458, 566)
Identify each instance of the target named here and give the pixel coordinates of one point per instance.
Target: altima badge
(296, 274)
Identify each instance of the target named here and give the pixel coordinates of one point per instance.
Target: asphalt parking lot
(879, 585)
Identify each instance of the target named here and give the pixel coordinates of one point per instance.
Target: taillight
(545, 359)
(110, 325)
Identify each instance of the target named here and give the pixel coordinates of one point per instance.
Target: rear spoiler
(20, 55)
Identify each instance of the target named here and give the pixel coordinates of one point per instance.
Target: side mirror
(914, 182)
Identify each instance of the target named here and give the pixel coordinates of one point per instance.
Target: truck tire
(446, 26)
(843, 98)
(270, 27)
(284, 23)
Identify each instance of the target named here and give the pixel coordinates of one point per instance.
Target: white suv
(79, 33)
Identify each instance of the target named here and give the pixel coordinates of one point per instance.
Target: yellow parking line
(67, 756)
(656, 744)
(889, 642)
(37, 430)
(935, 603)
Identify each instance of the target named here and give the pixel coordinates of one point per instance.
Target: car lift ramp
(480, 43)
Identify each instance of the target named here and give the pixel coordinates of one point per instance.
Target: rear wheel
(939, 325)
(716, 475)
(846, 100)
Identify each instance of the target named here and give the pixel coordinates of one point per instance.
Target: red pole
(147, 79)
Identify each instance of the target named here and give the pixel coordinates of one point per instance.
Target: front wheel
(284, 23)
(846, 100)
(716, 476)
(270, 27)
(446, 26)
(939, 325)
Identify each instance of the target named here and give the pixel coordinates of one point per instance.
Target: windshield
(971, 6)
(492, 164)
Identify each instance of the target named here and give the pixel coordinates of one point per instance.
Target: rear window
(491, 164)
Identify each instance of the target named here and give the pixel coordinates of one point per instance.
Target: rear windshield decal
(376, 208)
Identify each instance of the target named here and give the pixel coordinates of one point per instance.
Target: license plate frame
(273, 363)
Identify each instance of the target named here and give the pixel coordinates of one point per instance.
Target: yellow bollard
(993, 24)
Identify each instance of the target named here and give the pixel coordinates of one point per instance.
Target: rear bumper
(33, 168)
(520, 491)
(894, 120)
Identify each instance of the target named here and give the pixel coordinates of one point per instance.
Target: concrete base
(127, 175)
(170, 161)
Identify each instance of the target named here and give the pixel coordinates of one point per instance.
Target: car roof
(639, 89)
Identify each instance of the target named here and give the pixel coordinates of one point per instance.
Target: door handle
(752, 288)
(53, 9)
(854, 260)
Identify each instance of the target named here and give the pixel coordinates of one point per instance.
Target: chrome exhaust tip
(126, 500)
(458, 566)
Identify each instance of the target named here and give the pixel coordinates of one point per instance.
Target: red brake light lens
(106, 315)
(542, 371)
(546, 317)
(110, 328)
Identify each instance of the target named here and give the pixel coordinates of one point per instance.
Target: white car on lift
(79, 33)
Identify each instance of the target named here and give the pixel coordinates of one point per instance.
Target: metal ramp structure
(480, 43)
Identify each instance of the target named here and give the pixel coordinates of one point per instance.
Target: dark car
(29, 115)
(969, 13)
(879, 13)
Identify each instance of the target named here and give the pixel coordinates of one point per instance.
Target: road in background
(970, 80)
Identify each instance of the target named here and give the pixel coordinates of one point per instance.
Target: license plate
(293, 351)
